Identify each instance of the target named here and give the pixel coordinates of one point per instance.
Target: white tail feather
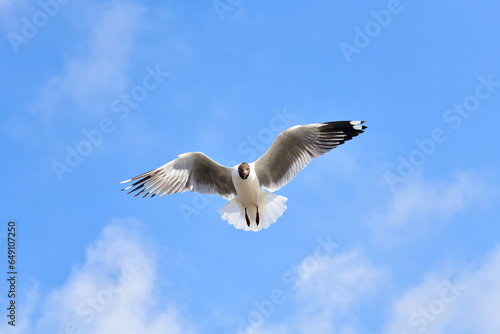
(271, 207)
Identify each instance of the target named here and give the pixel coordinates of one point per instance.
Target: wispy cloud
(440, 199)
(97, 72)
(115, 290)
(422, 203)
(466, 304)
(6, 3)
(326, 298)
(447, 300)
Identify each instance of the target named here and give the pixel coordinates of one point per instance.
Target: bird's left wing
(295, 147)
(192, 171)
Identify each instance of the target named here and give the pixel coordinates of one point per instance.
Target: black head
(244, 170)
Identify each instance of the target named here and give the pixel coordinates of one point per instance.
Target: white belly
(247, 190)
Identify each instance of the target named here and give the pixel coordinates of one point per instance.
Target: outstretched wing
(295, 147)
(190, 171)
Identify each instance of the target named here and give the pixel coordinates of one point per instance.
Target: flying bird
(250, 206)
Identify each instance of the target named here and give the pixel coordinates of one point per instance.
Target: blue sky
(394, 232)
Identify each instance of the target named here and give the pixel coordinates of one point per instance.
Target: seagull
(248, 186)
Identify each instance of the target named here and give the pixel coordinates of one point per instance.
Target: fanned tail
(270, 207)
(234, 213)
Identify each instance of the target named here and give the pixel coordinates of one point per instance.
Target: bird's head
(244, 170)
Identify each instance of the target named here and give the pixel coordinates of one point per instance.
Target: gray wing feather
(295, 147)
(189, 172)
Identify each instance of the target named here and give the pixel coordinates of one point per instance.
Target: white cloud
(326, 298)
(442, 199)
(98, 72)
(93, 73)
(339, 281)
(468, 303)
(334, 297)
(422, 204)
(114, 291)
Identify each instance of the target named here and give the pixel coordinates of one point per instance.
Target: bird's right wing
(295, 147)
(189, 172)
